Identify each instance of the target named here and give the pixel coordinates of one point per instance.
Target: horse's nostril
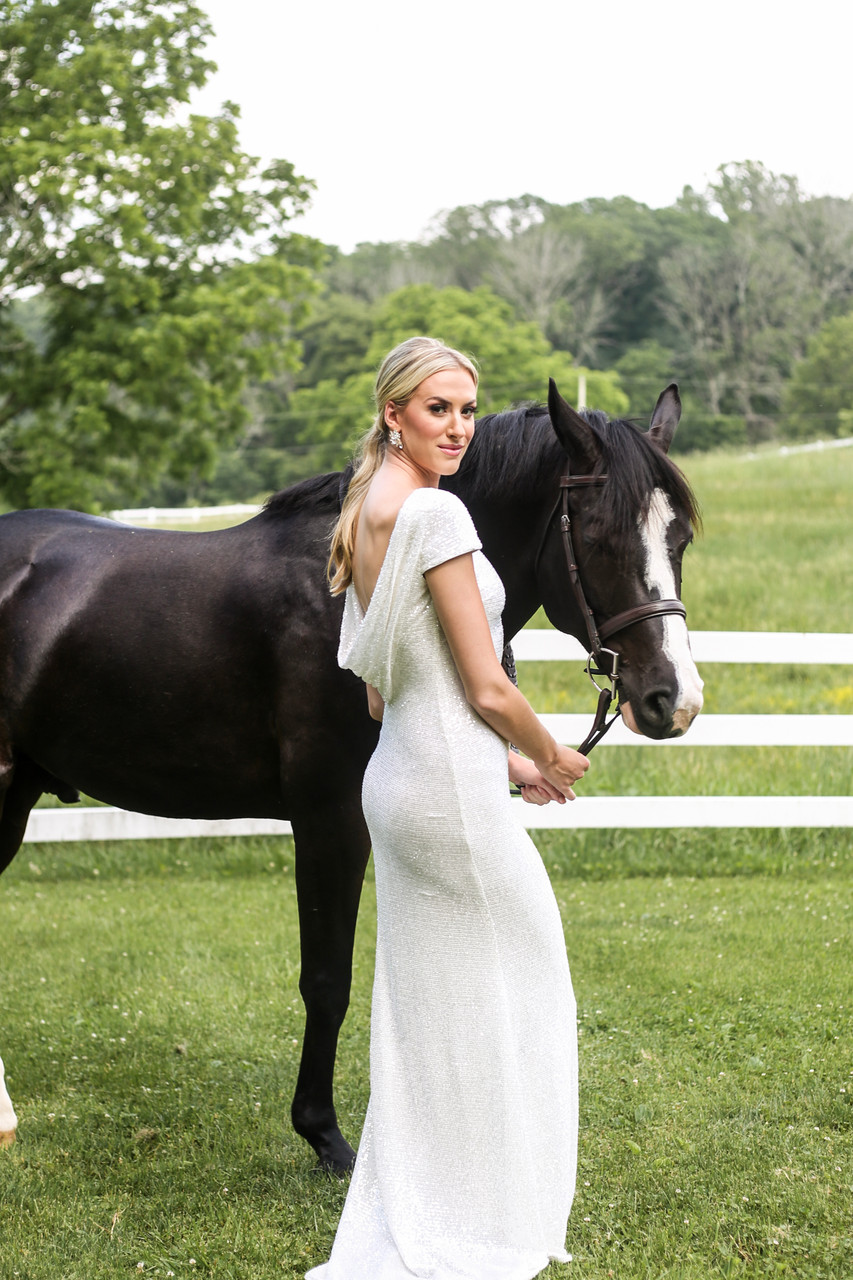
(658, 707)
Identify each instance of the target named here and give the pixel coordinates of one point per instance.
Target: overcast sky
(398, 110)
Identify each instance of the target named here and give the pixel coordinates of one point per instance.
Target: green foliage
(335, 339)
(819, 397)
(644, 371)
(156, 250)
(514, 357)
(732, 282)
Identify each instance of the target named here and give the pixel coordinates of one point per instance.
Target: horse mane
(318, 493)
(515, 455)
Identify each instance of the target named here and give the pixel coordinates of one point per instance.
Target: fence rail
(820, 648)
(103, 823)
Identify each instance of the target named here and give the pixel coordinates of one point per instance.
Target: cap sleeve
(445, 526)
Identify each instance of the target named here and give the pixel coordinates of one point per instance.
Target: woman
(466, 1165)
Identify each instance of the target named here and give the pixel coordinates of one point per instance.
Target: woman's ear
(392, 414)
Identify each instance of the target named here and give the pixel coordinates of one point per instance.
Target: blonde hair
(400, 374)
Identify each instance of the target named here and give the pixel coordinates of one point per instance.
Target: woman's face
(437, 424)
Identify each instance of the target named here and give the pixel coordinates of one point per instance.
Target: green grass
(151, 1027)
(775, 555)
(151, 1024)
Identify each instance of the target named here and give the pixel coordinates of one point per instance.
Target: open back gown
(466, 1166)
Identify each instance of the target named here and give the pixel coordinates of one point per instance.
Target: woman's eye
(469, 411)
(437, 408)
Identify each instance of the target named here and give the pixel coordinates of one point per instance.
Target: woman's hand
(566, 767)
(535, 789)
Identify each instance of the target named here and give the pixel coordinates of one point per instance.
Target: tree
(820, 232)
(541, 271)
(747, 187)
(515, 358)
(818, 400)
(156, 251)
(334, 339)
(744, 308)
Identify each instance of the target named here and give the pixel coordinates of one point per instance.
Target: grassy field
(150, 1018)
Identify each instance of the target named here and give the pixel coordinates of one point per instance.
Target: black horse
(195, 674)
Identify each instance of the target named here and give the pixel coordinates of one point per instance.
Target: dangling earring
(395, 437)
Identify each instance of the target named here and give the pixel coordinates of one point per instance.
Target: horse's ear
(573, 433)
(666, 417)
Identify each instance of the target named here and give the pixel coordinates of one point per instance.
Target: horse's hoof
(338, 1163)
(7, 1138)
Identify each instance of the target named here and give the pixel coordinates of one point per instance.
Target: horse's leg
(18, 793)
(332, 848)
(8, 1119)
(21, 785)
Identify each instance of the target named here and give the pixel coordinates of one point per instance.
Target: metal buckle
(604, 663)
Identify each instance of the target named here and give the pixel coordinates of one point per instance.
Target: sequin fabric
(466, 1166)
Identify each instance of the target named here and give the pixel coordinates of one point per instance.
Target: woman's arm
(375, 703)
(453, 586)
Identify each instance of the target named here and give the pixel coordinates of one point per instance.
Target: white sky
(398, 110)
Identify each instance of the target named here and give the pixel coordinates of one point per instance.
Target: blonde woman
(466, 1166)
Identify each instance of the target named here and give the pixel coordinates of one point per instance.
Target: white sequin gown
(466, 1166)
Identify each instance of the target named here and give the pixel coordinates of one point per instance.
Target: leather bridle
(602, 662)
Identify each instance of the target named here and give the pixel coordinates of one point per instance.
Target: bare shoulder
(379, 513)
(376, 522)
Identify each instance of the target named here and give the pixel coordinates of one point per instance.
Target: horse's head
(630, 522)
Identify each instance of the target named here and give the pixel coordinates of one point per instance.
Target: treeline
(742, 293)
(166, 336)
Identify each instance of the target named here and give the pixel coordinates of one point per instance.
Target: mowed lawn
(150, 1019)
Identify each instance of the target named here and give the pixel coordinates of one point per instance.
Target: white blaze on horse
(660, 577)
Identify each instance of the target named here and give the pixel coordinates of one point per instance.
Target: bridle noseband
(601, 662)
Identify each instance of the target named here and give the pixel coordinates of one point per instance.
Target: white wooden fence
(591, 811)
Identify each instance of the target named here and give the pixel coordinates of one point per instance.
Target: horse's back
(162, 670)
